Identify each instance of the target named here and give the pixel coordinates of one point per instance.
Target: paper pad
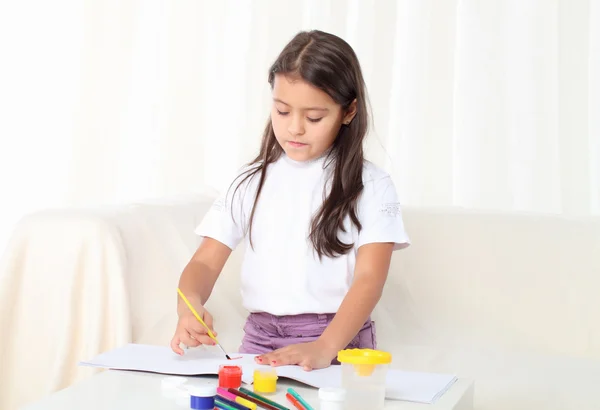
(408, 386)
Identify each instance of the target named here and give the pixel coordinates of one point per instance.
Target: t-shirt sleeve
(224, 220)
(380, 215)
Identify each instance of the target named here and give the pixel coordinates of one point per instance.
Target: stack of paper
(407, 386)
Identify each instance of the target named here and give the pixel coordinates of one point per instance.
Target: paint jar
(265, 381)
(363, 377)
(332, 398)
(230, 377)
(202, 397)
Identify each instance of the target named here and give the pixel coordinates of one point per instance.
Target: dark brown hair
(328, 63)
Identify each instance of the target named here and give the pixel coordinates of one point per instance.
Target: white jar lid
(202, 390)
(172, 382)
(182, 396)
(332, 394)
(182, 392)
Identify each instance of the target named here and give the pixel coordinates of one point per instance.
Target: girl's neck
(308, 163)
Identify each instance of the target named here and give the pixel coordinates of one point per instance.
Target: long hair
(328, 63)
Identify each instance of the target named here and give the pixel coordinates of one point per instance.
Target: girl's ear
(350, 113)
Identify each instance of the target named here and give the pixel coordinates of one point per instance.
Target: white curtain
(488, 104)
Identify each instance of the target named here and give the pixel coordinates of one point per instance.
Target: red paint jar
(230, 377)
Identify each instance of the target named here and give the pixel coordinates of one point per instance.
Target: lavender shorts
(265, 332)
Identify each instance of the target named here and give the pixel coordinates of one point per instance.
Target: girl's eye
(284, 113)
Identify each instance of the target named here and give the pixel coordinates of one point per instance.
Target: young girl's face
(305, 119)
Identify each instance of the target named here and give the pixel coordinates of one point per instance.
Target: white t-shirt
(283, 275)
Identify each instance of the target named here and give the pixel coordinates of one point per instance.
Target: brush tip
(227, 356)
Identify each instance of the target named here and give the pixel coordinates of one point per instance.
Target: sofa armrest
(75, 283)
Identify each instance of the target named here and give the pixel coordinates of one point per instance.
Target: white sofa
(510, 300)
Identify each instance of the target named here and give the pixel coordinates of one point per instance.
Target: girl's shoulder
(245, 174)
(378, 185)
(240, 183)
(379, 198)
(372, 174)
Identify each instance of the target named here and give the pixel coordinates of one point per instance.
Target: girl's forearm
(200, 275)
(196, 282)
(354, 311)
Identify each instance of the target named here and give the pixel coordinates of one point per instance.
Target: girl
(320, 222)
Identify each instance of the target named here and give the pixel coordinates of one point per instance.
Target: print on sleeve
(220, 205)
(390, 209)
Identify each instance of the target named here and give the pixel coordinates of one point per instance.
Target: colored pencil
(251, 405)
(262, 398)
(224, 393)
(231, 403)
(236, 399)
(299, 398)
(259, 400)
(220, 405)
(295, 402)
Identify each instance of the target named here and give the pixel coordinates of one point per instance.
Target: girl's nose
(296, 126)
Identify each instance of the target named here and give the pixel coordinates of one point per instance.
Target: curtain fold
(488, 105)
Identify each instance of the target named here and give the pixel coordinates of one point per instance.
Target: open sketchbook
(407, 386)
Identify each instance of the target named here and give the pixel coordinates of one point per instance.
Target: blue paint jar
(202, 396)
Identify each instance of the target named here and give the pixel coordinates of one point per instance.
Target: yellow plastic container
(265, 381)
(363, 376)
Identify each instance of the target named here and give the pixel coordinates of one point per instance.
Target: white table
(120, 390)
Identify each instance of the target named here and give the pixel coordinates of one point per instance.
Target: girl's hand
(311, 355)
(190, 331)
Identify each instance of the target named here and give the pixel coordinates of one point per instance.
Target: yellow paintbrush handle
(189, 305)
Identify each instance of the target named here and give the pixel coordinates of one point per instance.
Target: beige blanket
(62, 296)
(69, 289)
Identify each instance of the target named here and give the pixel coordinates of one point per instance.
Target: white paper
(401, 385)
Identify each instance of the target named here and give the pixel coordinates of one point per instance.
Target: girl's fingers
(203, 338)
(175, 345)
(278, 357)
(284, 358)
(208, 319)
(198, 328)
(264, 358)
(188, 340)
(306, 365)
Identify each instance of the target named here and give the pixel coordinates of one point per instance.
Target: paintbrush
(210, 334)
